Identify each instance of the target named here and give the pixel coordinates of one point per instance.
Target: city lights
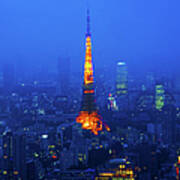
(93, 108)
(44, 136)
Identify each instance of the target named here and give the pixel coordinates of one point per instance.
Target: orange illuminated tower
(88, 116)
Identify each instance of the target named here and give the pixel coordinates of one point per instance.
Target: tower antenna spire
(88, 33)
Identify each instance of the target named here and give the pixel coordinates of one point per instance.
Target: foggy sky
(145, 33)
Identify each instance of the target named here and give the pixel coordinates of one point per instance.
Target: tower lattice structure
(88, 115)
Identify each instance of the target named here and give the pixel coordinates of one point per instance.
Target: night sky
(145, 33)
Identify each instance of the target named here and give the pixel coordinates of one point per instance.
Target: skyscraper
(88, 116)
(121, 79)
(159, 99)
(8, 155)
(122, 86)
(150, 81)
(63, 76)
(14, 156)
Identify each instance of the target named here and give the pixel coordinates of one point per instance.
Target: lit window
(16, 172)
(5, 145)
(4, 172)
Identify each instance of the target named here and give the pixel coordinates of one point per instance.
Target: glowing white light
(121, 63)
(44, 136)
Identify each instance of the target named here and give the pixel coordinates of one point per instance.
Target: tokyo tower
(88, 115)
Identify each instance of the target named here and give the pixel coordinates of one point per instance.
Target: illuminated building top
(121, 63)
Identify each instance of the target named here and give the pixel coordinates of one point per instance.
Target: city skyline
(106, 106)
(144, 34)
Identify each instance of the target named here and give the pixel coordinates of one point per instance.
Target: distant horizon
(144, 34)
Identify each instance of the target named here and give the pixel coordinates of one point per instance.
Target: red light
(177, 171)
(54, 156)
(89, 91)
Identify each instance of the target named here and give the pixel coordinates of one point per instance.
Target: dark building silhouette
(31, 170)
(169, 124)
(63, 79)
(8, 77)
(61, 103)
(14, 156)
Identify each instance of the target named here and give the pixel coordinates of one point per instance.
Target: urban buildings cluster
(40, 138)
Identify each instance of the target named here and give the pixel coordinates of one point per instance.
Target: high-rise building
(64, 132)
(122, 86)
(8, 77)
(31, 170)
(61, 103)
(169, 124)
(14, 158)
(63, 76)
(20, 155)
(121, 79)
(159, 96)
(150, 81)
(88, 116)
(8, 155)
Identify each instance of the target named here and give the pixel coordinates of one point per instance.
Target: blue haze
(145, 33)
